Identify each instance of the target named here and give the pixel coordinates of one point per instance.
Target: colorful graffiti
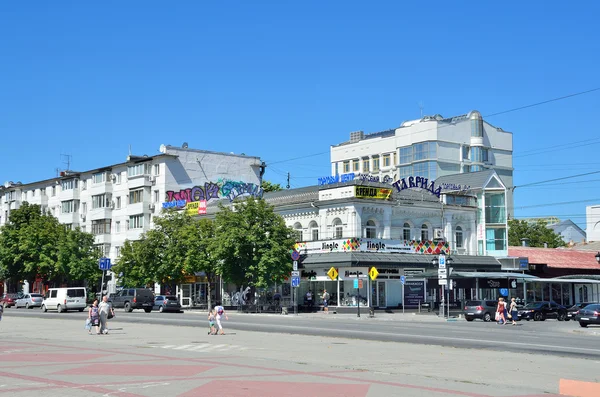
(211, 190)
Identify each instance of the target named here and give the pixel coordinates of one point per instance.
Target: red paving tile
(276, 389)
(155, 370)
(48, 357)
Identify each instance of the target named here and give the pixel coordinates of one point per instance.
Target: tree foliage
(270, 187)
(253, 243)
(537, 233)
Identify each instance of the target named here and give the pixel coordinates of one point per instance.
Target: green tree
(200, 243)
(77, 256)
(131, 265)
(252, 243)
(537, 233)
(270, 187)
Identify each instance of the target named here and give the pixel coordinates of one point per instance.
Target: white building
(592, 216)
(430, 147)
(118, 202)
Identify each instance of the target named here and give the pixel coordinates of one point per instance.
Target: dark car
(482, 309)
(540, 311)
(134, 298)
(167, 303)
(9, 300)
(572, 311)
(589, 315)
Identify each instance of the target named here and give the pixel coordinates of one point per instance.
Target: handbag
(509, 315)
(111, 314)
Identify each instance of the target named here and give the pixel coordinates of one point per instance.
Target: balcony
(137, 208)
(71, 194)
(99, 188)
(102, 238)
(70, 218)
(138, 181)
(100, 213)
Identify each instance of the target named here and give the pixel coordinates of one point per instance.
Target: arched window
(424, 232)
(314, 231)
(458, 237)
(338, 228)
(406, 231)
(371, 230)
(298, 231)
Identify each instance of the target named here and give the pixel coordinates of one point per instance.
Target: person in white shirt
(104, 309)
(220, 313)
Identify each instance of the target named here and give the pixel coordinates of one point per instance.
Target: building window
(458, 236)
(101, 226)
(426, 169)
(485, 155)
(99, 177)
(136, 221)
(68, 207)
(103, 249)
(314, 231)
(156, 196)
(495, 239)
(371, 230)
(405, 171)
(406, 231)
(477, 154)
(68, 184)
(100, 201)
(138, 169)
(366, 164)
(346, 167)
(118, 251)
(136, 196)
(375, 163)
(355, 165)
(53, 191)
(118, 202)
(465, 152)
(156, 169)
(477, 127)
(118, 178)
(495, 208)
(406, 155)
(338, 228)
(84, 208)
(118, 227)
(298, 231)
(424, 150)
(386, 160)
(424, 232)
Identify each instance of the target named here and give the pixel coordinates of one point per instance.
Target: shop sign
(414, 292)
(372, 245)
(349, 273)
(328, 180)
(417, 182)
(409, 272)
(195, 208)
(372, 192)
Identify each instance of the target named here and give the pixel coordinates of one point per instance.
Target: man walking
(325, 301)
(104, 309)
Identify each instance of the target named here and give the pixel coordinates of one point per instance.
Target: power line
(553, 204)
(554, 180)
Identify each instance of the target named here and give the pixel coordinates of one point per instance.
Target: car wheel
(147, 310)
(128, 307)
(583, 325)
(160, 309)
(44, 308)
(561, 316)
(487, 317)
(27, 306)
(469, 318)
(537, 316)
(59, 308)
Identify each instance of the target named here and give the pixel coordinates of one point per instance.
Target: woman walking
(94, 317)
(513, 311)
(500, 312)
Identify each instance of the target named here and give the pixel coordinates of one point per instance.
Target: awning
(492, 275)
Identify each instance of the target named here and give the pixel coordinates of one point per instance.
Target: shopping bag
(88, 324)
(497, 316)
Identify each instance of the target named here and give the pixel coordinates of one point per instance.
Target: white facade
(430, 147)
(592, 216)
(118, 202)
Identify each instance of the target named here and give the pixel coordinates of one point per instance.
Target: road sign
(295, 265)
(332, 273)
(442, 273)
(104, 264)
(373, 273)
(295, 273)
(295, 282)
(356, 283)
(443, 281)
(442, 261)
(295, 255)
(402, 279)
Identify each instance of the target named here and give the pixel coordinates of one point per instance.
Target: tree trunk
(209, 293)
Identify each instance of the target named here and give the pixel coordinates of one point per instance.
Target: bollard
(284, 310)
(371, 312)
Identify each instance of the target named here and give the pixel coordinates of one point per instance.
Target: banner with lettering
(373, 245)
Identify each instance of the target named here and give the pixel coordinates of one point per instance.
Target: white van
(63, 299)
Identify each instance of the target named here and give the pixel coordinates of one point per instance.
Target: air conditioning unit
(151, 206)
(113, 177)
(112, 205)
(83, 187)
(461, 251)
(438, 233)
(82, 216)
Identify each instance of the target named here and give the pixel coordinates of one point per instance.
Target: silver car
(29, 301)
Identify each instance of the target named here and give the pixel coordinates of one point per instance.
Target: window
(458, 237)
(156, 169)
(423, 151)
(366, 163)
(465, 152)
(370, 230)
(314, 231)
(156, 196)
(138, 169)
(136, 221)
(33, 193)
(69, 206)
(68, 226)
(355, 165)
(338, 228)
(427, 169)
(406, 155)
(477, 127)
(375, 163)
(495, 239)
(101, 226)
(424, 233)
(99, 177)
(406, 231)
(100, 201)
(53, 191)
(495, 209)
(84, 207)
(386, 160)
(118, 252)
(477, 154)
(118, 227)
(298, 231)
(346, 167)
(136, 196)
(405, 171)
(476, 168)
(118, 178)
(484, 155)
(103, 249)
(118, 202)
(68, 184)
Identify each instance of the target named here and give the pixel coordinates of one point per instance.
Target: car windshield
(473, 303)
(36, 296)
(171, 298)
(533, 305)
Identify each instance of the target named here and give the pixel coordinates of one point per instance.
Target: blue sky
(283, 79)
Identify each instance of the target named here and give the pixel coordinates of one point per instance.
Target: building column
(387, 223)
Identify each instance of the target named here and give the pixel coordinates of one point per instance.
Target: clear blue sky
(284, 79)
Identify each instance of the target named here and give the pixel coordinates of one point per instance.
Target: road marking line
(167, 346)
(196, 348)
(182, 347)
(576, 388)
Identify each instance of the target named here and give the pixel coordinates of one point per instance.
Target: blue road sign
(402, 279)
(105, 264)
(295, 281)
(295, 255)
(442, 260)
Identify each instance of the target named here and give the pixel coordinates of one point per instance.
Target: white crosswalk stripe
(205, 347)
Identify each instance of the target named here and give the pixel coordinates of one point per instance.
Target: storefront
(194, 291)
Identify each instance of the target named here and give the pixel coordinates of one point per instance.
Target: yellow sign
(373, 273)
(372, 192)
(332, 273)
(195, 207)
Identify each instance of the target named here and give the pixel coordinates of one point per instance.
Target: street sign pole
(358, 300)
(403, 302)
(102, 285)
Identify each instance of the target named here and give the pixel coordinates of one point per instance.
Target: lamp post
(443, 272)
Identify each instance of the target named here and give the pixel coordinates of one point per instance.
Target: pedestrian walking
(94, 317)
(325, 301)
(1, 311)
(105, 310)
(220, 313)
(212, 316)
(500, 318)
(514, 313)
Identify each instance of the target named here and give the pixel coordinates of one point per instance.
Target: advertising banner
(373, 245)
(414, 292)
(372, 192)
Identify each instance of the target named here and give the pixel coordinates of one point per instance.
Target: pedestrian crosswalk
(203, 347)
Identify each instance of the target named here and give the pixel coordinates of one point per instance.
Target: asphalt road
(548, 337)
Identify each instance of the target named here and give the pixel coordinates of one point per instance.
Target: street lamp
(444, 270)
(598, 257)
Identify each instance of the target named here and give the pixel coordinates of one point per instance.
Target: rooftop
(557, 257)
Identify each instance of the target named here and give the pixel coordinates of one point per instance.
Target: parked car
(572, 311)
(540, 311)
(63, 299)
(9, 300)
(482, 309)
(29, 301)
(134, 298)
(589, 315)
(166, 303)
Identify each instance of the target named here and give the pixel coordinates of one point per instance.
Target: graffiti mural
(211, 190)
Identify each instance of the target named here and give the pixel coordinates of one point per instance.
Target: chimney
(525, 242)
